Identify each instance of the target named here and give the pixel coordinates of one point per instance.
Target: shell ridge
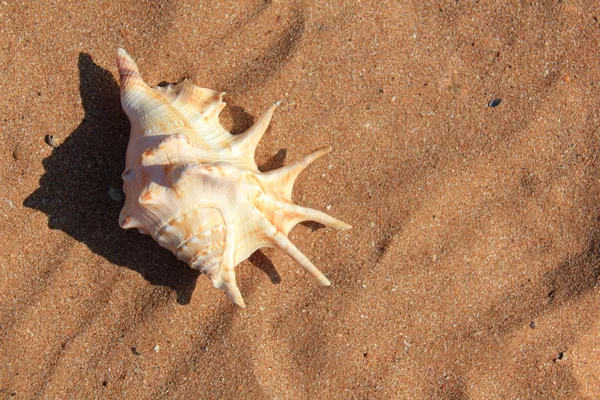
(168, 149)
(183, 214)
(164, 227)
(200, 107)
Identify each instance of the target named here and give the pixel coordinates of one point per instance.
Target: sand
(472, 270)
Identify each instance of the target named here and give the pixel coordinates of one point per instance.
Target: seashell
(196, 189)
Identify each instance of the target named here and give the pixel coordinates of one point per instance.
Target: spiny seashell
(196, 188)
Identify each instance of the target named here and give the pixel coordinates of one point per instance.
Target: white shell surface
(196, 188)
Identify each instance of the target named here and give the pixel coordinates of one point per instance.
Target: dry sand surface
(472, 270)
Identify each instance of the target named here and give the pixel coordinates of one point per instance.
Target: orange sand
(472, 269)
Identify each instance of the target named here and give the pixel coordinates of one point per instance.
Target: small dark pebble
(380, 91)
(51, 141)
(17, 153)
(559, 356)
(105, 383)
(134, 351)
(494, 103)
(532, 325)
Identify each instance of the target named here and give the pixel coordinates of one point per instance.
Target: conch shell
(196, 188)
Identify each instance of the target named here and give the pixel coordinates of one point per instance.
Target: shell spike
(282, 242)
(231, 288)
(128, 70)
(223, 275)
(282, 179)
(234, 294)
(309, 214)
(249, 139)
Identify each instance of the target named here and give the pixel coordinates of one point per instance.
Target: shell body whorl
(196, 189)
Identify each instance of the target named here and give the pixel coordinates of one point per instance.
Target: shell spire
(196, 188)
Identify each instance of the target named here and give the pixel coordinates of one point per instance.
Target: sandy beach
(472, 270)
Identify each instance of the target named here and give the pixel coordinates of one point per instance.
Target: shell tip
(126, 221)
(235, 296)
